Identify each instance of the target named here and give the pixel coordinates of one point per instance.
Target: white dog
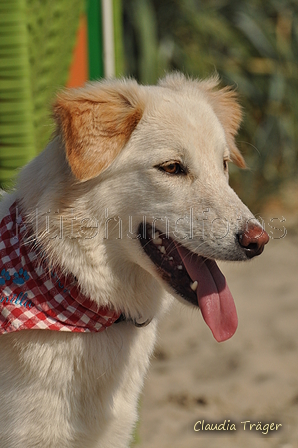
(125, 209)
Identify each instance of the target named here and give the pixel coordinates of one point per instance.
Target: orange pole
(78, 73)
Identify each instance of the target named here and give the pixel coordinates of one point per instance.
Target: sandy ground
(252, 377)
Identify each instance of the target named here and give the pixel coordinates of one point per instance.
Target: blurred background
(48, 44)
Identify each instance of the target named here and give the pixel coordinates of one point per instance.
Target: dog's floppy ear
(96, 122)
(225, 105)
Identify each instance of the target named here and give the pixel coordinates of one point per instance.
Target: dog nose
(253, 240)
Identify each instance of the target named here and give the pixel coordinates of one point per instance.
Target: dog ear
(228, 111)
(96, 122)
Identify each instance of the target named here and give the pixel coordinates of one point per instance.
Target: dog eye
(172, 168)
(226, 164)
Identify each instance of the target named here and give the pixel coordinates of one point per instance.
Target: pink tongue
(214, 297)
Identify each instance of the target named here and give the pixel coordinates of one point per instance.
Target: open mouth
(196, 279)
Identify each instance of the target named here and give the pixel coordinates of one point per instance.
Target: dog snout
(253, 240)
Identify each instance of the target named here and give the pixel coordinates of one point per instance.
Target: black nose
(253, 240)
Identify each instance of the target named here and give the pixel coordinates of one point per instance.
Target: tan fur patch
(225, 105)
(96, 122)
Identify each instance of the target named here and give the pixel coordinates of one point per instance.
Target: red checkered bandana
(32, 297)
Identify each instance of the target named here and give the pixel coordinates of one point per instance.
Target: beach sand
(251, 377)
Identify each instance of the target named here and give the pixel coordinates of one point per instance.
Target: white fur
(81, 390)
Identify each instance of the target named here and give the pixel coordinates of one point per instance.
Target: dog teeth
(180, 267)
(157, 241)
(194, 286)
(162, 249)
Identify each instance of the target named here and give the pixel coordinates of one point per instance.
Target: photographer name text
(246, 425)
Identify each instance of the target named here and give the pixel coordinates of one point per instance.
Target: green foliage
(253, 46)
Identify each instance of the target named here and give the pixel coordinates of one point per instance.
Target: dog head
(157, 159)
